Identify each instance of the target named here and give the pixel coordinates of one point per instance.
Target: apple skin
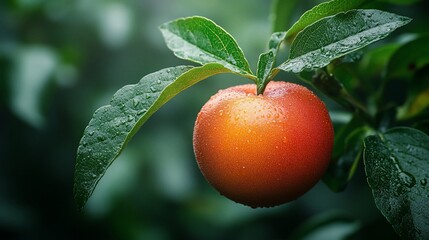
(263, 150)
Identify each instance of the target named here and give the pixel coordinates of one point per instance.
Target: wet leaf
(266, 60)
(200, 40)
(396, 165)
(112, 126)
(322, 10)
(332, 37)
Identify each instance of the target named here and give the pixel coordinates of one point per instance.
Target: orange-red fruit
(263, 150)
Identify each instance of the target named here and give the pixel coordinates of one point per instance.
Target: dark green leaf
(417, 104)
(112, 126)
(342, 168)
(267, 60)
(343, 132)
(323, 10)
(396, 165)
(401, 2)
(328, 225)
(401, 83)
(200, 40)
(332, 37)
(372, 65)
(282, 13)
(334, 89)
(409, 58)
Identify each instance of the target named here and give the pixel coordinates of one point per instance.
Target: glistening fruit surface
(263, 150)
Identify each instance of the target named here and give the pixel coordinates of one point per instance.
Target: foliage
(60, 60)
(322, 35)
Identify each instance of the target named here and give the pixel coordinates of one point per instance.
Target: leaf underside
(396, 165)
(112, 126)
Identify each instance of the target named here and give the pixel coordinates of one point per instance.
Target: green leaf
(327, 225)
(417, 104)
(396, 165)
(401, 2)
(266, 60)
(282, 13)
(332, 37)
(323, 10)
(374, 62)
(200, 40)
(31, 75)
(112, 126)
(342, 168)
(409, 58)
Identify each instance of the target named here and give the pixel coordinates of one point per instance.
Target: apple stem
(262, 84)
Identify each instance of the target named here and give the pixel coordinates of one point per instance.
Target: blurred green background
(61, 60)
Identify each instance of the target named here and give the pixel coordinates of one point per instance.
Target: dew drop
(91, 133)
(142, 111)
(130, 118)
(152, 89)
(147, 96)
(220, 112)
(423, 182)
(135, 102)
(249, 131)
(407, 179)
(159, 81)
